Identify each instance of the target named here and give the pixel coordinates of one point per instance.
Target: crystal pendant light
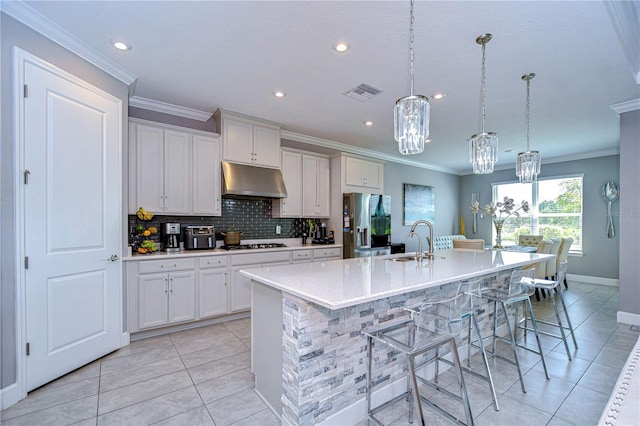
(528, 162)
(411, 114)
(483, 146)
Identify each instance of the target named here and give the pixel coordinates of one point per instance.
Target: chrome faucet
(420, 255)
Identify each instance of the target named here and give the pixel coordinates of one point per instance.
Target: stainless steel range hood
(239, 180)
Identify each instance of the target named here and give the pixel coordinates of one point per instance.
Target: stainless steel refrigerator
(366, 225)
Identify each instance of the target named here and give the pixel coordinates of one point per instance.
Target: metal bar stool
(458, 310)
(519, 290)
(414, 338)
(550, 285)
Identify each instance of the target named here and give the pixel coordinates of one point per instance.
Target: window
(556, 209)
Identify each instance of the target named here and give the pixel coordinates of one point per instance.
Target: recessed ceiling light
(120, 45)
(279, 94)
(368, 123)
(438, 96)
(341, 46)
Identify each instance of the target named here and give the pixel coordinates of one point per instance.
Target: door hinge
(26, 91)
(26, 262)
(28, 348)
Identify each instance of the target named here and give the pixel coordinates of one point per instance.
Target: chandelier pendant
(528, 162)
(411, 113)
(483, 146)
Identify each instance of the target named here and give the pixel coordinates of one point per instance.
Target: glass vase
(498, 224)
(474, 225)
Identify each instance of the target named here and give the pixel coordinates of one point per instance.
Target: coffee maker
(171, 233)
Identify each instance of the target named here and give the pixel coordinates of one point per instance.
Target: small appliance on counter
(171, 232)
(199, 238)
(321, 236)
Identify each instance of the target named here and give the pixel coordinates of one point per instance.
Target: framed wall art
(419, 203)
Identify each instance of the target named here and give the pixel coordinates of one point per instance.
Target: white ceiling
(233, 55)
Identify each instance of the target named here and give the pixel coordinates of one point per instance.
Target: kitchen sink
(403, 259)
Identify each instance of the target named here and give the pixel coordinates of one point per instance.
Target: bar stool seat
(413, 338)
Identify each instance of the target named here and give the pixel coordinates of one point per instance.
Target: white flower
(502, 210)
(475, 207)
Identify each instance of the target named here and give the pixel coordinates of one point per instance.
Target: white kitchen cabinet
(240, 290)
(173, 170)
(248, 140)
(315, 186)
(206, 182)
(291, 206)
(166, 298)
(213, 296)
(301, 256)
(164, 292)
(327, 253)
(363, 175)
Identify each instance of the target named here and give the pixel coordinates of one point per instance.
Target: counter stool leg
(369, 370)
(566, 314)
(560, 326)
(469, 339)
(513, 346)
(416, 395)
(495, 325)
(463, 388)
(485, 360)
(535, 330)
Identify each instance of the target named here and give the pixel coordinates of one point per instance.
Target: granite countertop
(338, 284)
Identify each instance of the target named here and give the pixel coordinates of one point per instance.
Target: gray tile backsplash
(252, 217)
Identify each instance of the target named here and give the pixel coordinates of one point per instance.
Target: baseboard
(187, 326)
(612, 282)
(9, 396)
(125, 339)
(628, 318)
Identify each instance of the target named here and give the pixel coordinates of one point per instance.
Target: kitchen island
(308, 355)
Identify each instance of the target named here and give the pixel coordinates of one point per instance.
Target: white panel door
(72, 213)
(177, 172)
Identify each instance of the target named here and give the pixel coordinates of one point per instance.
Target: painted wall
(12, 34)
(629, 214)
(446, 201)
(600, 253)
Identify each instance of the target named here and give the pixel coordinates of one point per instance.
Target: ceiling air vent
(362, 92)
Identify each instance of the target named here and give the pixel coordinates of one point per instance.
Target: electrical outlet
(278, 230)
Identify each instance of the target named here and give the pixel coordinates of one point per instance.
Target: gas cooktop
(253, 246)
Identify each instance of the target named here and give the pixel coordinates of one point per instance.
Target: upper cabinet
(248, 140)
(315, 186)
(361, 175)
(291, 206)
(173, 170)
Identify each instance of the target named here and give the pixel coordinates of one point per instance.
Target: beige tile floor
(202, 377)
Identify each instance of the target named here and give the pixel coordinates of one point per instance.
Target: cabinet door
(182, 296)
(292, 175)
(309, 185)
(213, 292)
(206, 176)
(152, 300)
(322, 187)
(237, 141)
(177, 172)
(240, 291)
(371, 174)
(149, 172)
(266, 146)
(353, 174)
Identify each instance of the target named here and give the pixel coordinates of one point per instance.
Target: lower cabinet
(213, 288)
(166, 298)
(182, 289)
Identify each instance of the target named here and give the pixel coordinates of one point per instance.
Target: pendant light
(411, 113)
(528, 162)
(483, 146)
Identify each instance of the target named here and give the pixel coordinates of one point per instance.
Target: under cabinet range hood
(240, 180)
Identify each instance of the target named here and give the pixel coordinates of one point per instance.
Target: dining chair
(529, 240)
(563, 255)
(544, 247)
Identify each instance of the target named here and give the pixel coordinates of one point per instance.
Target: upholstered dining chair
(563, 255)
(544, 247)
(474, 244)
(529, 240)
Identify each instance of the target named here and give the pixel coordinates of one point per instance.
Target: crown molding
(166, 108)
(325, 143)
(622, 107)
(28, 16)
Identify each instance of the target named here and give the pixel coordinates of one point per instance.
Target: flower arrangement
(501, 211)
(475, 208)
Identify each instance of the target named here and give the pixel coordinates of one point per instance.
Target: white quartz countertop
(338, 284)
(218, 251)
